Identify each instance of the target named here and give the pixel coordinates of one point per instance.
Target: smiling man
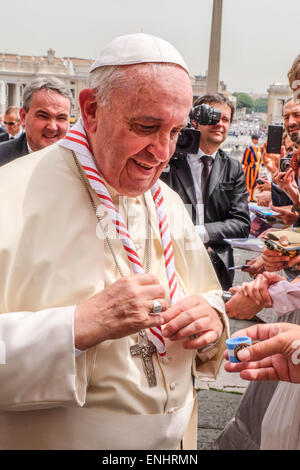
(107, 328)
(45, 117)
(213, 186)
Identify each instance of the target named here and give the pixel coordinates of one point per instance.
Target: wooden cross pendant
(145, 348)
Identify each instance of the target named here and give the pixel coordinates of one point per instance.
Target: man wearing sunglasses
(12, 122)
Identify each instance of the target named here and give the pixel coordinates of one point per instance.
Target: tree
(244, 101)
(261, 105)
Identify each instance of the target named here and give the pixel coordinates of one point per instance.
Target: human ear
(88, 106)
(22, 114)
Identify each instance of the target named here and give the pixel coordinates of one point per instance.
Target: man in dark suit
(45, 116)
(13, 149)
(213, 189)
(12, 123)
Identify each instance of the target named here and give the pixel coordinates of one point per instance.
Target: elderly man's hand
(192, 316)
(275, 357)
(119, 310)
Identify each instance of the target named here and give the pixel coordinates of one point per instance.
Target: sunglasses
(11, 123)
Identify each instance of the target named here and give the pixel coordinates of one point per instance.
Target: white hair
(104, 80)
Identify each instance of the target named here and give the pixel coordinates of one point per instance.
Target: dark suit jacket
(279, 197)
(226, 212)
(4, 136)
(13, 149)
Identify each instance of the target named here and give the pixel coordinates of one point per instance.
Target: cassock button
(172, 410)
(172, 385)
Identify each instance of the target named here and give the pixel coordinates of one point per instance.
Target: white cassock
(52, 258)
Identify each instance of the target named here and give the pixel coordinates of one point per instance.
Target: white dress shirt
(196, 167)
(15, 136)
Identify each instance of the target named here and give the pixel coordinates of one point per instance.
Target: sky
(260, 38)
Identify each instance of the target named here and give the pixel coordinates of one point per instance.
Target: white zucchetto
(137, 49)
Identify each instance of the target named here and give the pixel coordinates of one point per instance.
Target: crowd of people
(114, 269)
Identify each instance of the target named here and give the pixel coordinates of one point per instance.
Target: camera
(284, 164)
(189, 138)
(205, 115)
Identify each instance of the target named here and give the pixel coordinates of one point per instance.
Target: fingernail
(244, 355)
(165, 332)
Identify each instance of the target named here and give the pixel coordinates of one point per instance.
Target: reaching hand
(273, 259)
(251, 297)
(256, 266)
(286, 215)
(275, 357)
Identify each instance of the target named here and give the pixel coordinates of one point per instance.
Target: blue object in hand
(234, 345)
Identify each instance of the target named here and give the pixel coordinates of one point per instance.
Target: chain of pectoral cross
(144, 348)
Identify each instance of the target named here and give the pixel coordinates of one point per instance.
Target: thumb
(260, 350)
(235, 289)
(283, 240)
(277, 209)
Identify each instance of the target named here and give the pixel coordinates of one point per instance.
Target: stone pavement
(218, 400)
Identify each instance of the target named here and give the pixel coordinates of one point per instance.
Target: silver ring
(157, 307)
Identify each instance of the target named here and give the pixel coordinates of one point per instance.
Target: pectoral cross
(145, 349)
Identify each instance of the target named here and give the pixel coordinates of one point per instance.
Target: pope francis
(109, 303)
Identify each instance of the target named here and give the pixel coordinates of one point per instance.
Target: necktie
(207, 166)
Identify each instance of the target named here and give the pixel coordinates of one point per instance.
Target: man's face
(47, 119)
(12, 123)
(289, 145)
(136, 134)
(291, 119)
(213, 136)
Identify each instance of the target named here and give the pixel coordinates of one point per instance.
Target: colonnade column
(2, 97)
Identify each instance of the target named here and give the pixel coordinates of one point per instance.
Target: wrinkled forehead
(155, 80)
(291, 107)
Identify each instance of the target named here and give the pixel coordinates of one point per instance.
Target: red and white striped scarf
(77, 141)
